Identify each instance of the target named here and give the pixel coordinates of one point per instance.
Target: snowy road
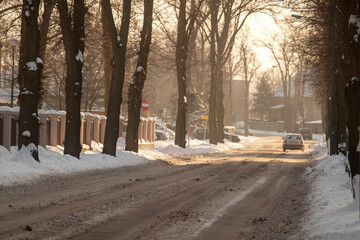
(256, 192)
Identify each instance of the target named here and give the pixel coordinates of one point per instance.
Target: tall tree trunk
(73, 31)
(106, 40)
(353, 108)
(181, 55)
(138, 80)
(44, 29)
(214, 74)
(119, 43)
(220, 105)
(246, 105)
(29, 77)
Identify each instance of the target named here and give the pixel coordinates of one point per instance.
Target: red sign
(144, 105)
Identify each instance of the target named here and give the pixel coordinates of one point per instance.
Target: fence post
(16, 111)
(149, 130)
(7, 116)
(121, 126)
(62, 126)
(42, 136)
(53, 115)
(103, 126)
(96, 127)
(145, 127)
(82, 116)
(88, 117)
(140, 130)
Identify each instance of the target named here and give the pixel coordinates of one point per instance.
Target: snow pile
(19, 167)
(334, 212)
(195, 147)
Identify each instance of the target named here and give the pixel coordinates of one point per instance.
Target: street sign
(144, 105)
(205, 117)
(300, 118)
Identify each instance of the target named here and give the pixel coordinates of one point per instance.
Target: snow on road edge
(334, 213)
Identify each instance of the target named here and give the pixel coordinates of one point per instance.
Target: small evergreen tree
(262, 96)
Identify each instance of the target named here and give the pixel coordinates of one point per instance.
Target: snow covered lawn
(18, 167)
(334, 213)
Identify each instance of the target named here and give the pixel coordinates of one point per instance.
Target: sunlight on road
(268, 149)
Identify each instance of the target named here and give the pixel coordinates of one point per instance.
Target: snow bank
(334, 212)
(19, 167)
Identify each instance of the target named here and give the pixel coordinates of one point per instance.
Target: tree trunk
(181, 57)
(246, 105)
(220, 106)
(107, 60)
(29, 77)
(73, 32)
(138, 80)
(353, 109)
(213, 85)
(44, 29)
(119, 44)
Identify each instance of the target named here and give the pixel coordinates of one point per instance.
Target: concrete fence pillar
(153, 130)
(16, 117)
(140, 130)
(7, 116)
(96, 119)
(42, 135)
(145, 130)
(62, 126)
(121, 126)
(82, 118)
(88, 117)
(149, 130)
(53, 127)
(103, 126)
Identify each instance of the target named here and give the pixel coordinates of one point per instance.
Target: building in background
(234, 101)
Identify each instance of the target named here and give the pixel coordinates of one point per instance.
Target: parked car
(240, 129)
(293, 142)
(161, 135)
(170, 132)
(231, 137)
(306, 133)
(201, 133)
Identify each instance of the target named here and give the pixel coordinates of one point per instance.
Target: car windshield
(293, 137)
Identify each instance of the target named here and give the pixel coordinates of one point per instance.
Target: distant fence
(53, 123)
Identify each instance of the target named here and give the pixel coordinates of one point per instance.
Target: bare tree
(250, 67)
(119, 43)
(283, 55)
(29, 77)
(73, 32)
(138, 80)
(227, 18)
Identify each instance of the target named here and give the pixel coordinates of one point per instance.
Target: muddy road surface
(255, 192)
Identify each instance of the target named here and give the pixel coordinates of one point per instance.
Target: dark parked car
(201, 133)
(161, 135)
(306, 133)
(293, 142)
(231, 137)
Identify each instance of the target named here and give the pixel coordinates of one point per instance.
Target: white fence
(53, 123)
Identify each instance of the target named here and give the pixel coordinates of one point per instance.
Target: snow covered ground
(18, 167)
(334, 213)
